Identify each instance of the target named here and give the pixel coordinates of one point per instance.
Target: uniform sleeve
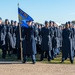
(23, 32)
(52, 33)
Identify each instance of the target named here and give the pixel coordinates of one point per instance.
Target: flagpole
(20, 39)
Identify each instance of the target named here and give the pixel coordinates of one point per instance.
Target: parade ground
(11, 66)
(17, 68)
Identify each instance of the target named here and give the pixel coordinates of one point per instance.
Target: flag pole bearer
(20, 39)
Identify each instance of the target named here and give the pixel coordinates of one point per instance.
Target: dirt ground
(39, 68)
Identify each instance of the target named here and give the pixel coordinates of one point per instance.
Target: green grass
(8, 58)
(55, 61)
(45, 61)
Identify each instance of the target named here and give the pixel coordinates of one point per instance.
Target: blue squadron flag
(23, 16)
(23, 23)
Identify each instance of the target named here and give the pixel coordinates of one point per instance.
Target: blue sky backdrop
(57, 10)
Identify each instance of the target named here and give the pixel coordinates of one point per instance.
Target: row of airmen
(48, 40)
(9, 38)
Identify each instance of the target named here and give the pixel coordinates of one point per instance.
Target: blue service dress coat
(74, 40)
(54, 39)
(8, 39)
(14, 36)
(2, 35)
(73, 37)
(39, 38)
(67, 48)
(29, 44)
(18, 38)
(59, 38)
(36, 34)
(46, 43)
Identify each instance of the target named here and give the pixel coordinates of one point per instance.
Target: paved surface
(17, 68)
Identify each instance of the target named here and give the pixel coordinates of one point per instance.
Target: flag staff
(18, 4)
(21, 50)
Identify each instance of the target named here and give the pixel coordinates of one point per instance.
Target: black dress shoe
(24, 61)
(52, 58)
(3, 57)
(62, 61)
(18, 58)
(49, 60)
(33, 62)
(71, 61)
(41, 59)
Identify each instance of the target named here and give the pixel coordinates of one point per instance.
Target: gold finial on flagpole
(18, 4)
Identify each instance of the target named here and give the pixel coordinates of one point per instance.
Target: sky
(59, 11)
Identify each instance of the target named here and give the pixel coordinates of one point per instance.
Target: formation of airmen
(48, 40)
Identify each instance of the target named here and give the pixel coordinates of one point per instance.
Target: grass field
(55, 61)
